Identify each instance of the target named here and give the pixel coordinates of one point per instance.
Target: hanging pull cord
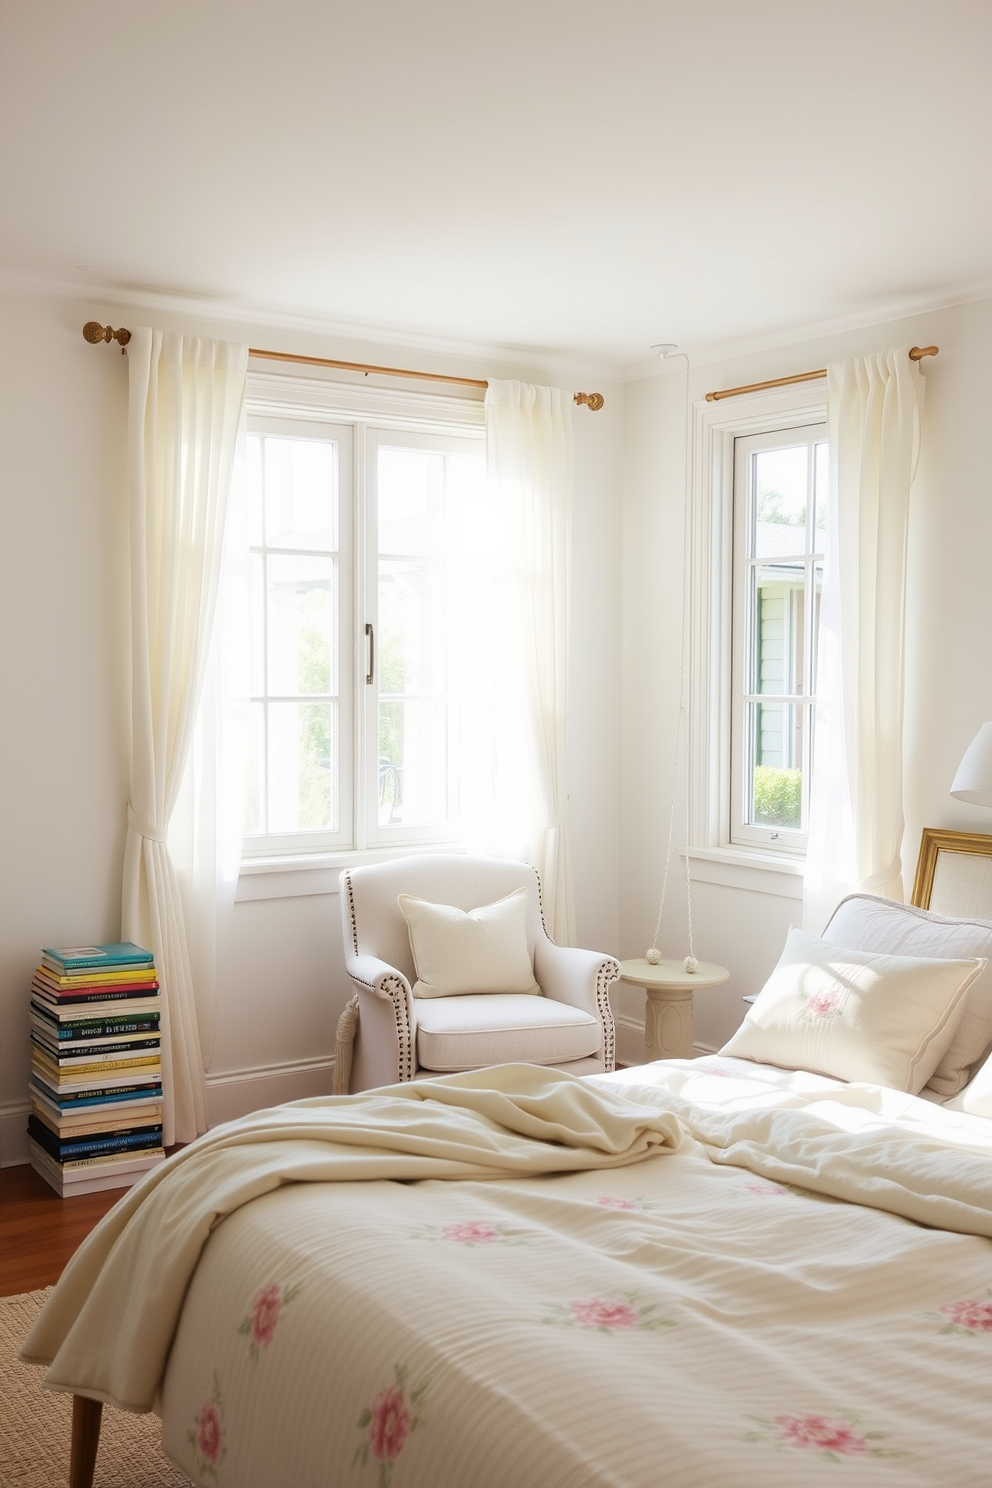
(653, 955)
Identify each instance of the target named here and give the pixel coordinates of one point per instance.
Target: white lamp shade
(973, 781)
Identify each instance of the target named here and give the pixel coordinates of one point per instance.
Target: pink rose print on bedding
(209, 1433)
(636, 1204)
(598, 1314)
(768, 1188)
(388, 1422)
(265, 1314)
(821, 1434)
(971, 1316)
(607, 1314)
(207, 1436)
(470, 1232)
(833, 1437)
(260, 1324)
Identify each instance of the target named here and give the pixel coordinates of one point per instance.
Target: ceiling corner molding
(101, 298)
(708, 353)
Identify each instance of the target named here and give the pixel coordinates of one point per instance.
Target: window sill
(741, 868)
(296, 875)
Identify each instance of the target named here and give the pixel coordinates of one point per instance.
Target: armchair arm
(581, 979)
(386, 1038)
(370, 974)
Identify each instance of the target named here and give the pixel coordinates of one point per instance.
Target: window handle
(370, 674)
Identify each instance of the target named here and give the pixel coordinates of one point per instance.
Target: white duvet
(712, 1317)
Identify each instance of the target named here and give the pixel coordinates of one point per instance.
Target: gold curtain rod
(94, 332)
(916, 354)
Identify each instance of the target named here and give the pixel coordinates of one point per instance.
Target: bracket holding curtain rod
(916, 354)
(94, 332)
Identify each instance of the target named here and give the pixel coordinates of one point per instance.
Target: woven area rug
(35, 1424)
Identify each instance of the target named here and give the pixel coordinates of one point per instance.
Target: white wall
(949, 637)
(64, 668)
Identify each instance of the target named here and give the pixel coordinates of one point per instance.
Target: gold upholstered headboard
(954, 874)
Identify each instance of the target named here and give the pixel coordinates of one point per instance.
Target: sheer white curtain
(206, 831)
(874, 412)
(529, 451)
(186, 396)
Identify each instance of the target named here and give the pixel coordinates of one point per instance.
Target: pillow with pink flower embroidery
(856, 1015)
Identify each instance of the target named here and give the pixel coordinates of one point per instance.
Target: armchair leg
(344, 1046)
(86, 1417)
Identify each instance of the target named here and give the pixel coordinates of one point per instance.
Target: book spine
(94, 1096)
(84, 1028)
(119, 1161)
(64, 1010)
(150, 1086)
(55, 997)
(77, 1068)
(94, 968)
(70, 1054)
(105, 1028)
(72, 1048)
(145, 975)
(106, 957)
(76, 1164)
(93, 1147)
(103, 1121)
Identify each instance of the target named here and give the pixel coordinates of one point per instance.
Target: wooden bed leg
(86, 1416)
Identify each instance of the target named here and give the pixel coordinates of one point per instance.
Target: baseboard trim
(14, 1133)
(629, 1039)
(234, 1093)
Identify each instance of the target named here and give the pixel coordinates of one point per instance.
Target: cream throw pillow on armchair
(481, 950)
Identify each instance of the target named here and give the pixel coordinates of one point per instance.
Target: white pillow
(976, 1097)
(483, 950)
(864, 922)
(855, 1015)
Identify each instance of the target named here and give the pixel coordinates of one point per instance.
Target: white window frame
(342, 672)
(742, 832)
(373, 834)
(716, 427)
(290, 399)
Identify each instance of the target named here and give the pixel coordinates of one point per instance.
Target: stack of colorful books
(96, 1072)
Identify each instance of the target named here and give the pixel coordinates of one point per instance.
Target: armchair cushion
(458, 952)
(470, 1032)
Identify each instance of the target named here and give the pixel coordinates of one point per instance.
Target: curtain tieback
(143, 828)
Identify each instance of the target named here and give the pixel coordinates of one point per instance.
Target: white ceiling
(534, 174)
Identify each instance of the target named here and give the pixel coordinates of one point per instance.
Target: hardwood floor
(39, 1231)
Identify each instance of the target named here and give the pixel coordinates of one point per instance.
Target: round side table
(668, 1015)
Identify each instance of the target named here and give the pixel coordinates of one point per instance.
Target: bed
(715, 1273)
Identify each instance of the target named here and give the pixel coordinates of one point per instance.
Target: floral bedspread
(686, 1321)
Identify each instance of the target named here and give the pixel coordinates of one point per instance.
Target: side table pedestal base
(668, 1014)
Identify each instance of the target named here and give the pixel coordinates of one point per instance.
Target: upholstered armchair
(398, 1027)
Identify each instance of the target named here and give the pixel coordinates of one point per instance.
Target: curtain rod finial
(594, 401)
(94, 333)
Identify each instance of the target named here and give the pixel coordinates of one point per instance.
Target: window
(358, 505)
(758, 534)
(780, 509)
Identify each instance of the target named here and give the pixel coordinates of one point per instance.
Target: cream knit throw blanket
(107, 1328)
